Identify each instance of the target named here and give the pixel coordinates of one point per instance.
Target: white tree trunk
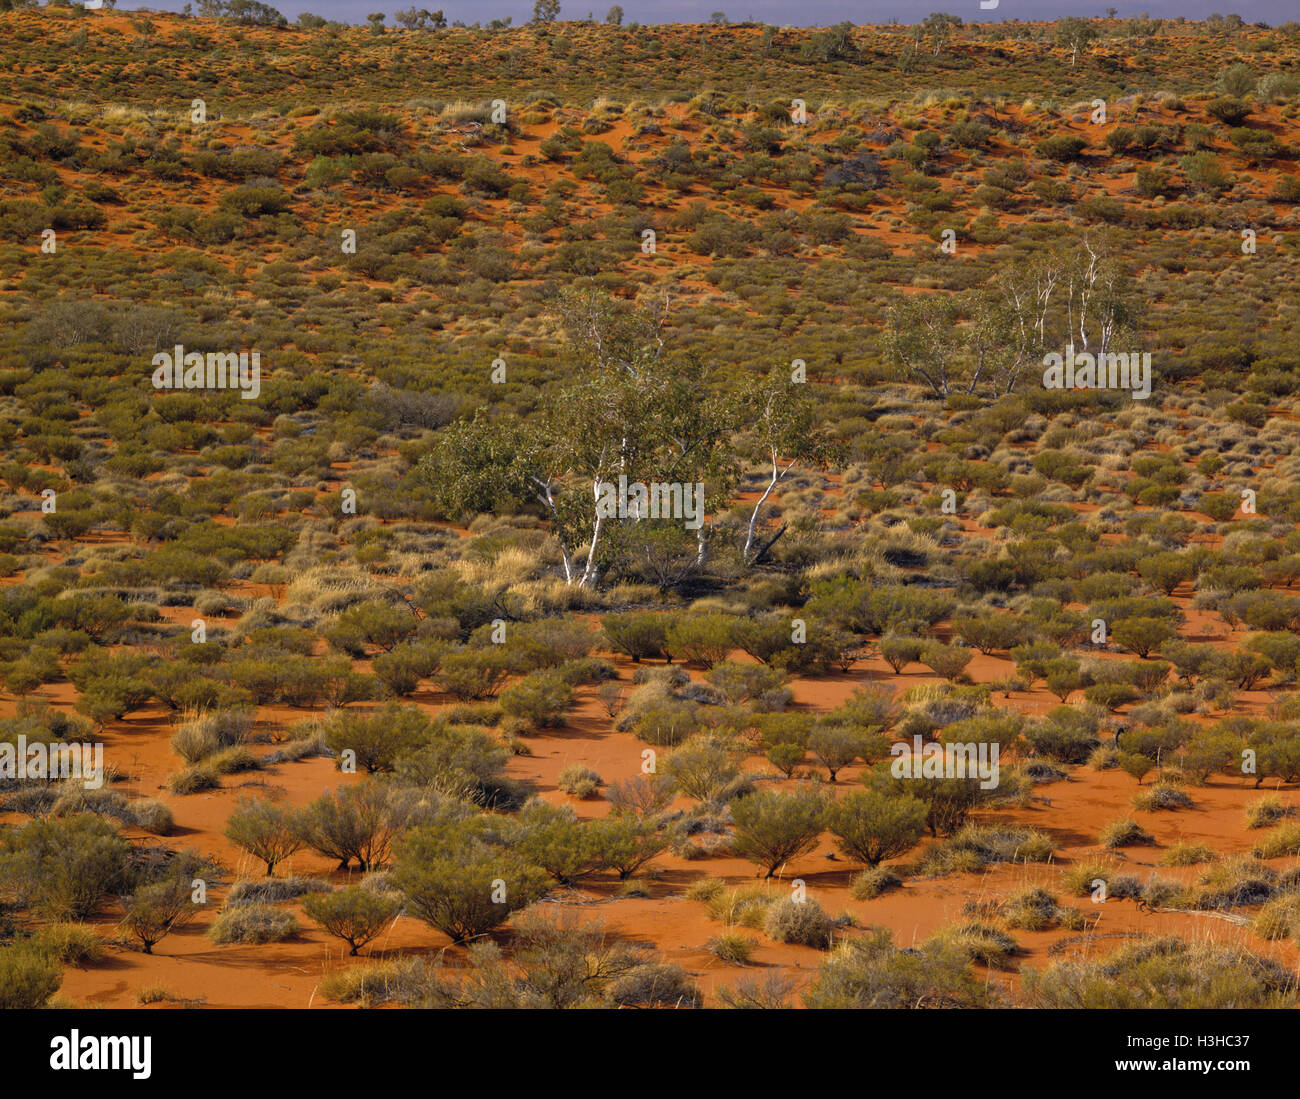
(778, 475)
(589, 570)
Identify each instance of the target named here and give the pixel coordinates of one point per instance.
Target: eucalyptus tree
(783, 434)
(630, 413)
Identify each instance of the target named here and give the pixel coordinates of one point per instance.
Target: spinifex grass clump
(1267, 811)
(978, 845)
(1235, 881)
(869, 971)
(1031, 909)
(1124, 832)
(1164, 973)
(799, 921)
(252, 923)
(872, 883)
(981, 942)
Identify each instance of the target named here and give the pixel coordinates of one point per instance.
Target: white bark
(778, 475)
(589, 570)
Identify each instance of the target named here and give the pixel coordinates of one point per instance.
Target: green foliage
(155, 910)
(542, 698)
(774, 828)
(1163, 973)
(29, 976)
(638, 635)
(375, 742)
(63, 867)
(265, 830)
(353, 914)
(870, 826)
(702, 639)
(461, 883)
(361, 821)
(869, 971)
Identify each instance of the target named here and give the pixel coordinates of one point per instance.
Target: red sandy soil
(288, 974)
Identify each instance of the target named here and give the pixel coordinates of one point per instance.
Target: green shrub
(402, 668)
(835, 747)
(155, 910)
(543, 698)
(1228, 109)
(29, 976)
(627, 844)
(898, 652)
(667, 724)
(267, 831)
(949, 801)
(948, 661)
(377, 741)
(461, 761)
(553, 838)
(772, 828)
(702, 769)
(459, 883)
(1062, 147)
(64, 867)
(1066, 736)
(472, 675)
(870, 826)
(354, 915)
(360, 822)
(638, 635)
(1142, 635)
(703, 639)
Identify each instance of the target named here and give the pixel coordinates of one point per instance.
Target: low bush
(872, 883)
(252, 923)
(29, 976)
(1278, 843)
(578, 781)
(869, 971)
(732, 947)
(72, 943)
(804, 923)
(1163, 973)
(1125, 832)
(354, 915)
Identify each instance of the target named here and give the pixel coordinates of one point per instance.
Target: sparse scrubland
(654, 494)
